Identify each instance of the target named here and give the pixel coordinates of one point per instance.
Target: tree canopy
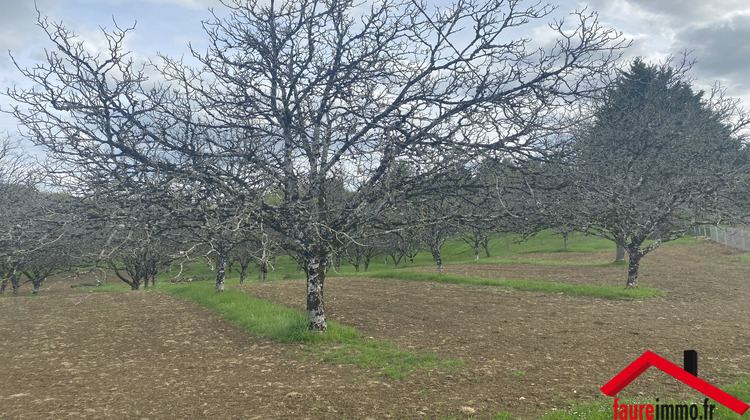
(657, 159)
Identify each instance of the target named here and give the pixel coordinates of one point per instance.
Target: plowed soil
(75, 354)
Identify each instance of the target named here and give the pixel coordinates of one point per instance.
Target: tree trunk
(395, 261)
(367, 263)
(135, 285)
(299, 267)
(263, 271)
(3, 285)
(565, 240)
(476, 252)
(221, 267)
(154, 280)
(316, 269)
(435, 250)
(36, 285)
(15, 282)
(486, 246)
(620, 253)
(337, 263)
(357, 261)
(243, 272)
(633, 265)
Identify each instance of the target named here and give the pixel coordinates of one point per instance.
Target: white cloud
(18, 23)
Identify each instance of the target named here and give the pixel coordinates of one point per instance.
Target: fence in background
(736, 238)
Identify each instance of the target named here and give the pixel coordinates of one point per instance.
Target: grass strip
(553, 263)
(601, 409)
(607, 292)
(340, 344)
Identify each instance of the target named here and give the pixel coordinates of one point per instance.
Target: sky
(717, 32)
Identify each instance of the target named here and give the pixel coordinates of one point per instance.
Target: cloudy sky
(717, 31)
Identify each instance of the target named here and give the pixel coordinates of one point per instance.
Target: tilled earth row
(149, 355)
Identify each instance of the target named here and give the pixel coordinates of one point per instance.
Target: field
(73, 353)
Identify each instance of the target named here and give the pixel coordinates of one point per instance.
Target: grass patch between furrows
(602, 408)
(554, 263)
(607, 292)
(340, 344)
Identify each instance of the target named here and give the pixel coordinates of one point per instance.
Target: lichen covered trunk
(435, 250)
(633, 265)
(221, 270)
(3, 286)
(316, 273)
(476, 252)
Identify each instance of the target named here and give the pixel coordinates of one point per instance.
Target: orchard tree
(330, 90)
(300, 93)
(657, 159)
(359, 254)
(38, 236)
(135, 241)
(14, 180)
(557, 194)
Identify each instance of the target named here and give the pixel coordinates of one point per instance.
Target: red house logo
(648, 359)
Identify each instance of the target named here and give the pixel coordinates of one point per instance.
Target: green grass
(502, 248)
(601, 409)
(607, 292)
(456, 251)
(340, 344)
(554, 263)
(260, 317)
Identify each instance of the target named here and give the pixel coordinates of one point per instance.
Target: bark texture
(633, 265)
(620, 253)
(316, 269)
(221, 270)
(435, 250)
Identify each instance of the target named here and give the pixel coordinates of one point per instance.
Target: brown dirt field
(73, 354)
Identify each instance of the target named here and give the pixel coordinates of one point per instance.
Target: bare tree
(37, 237)
(301, 93)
